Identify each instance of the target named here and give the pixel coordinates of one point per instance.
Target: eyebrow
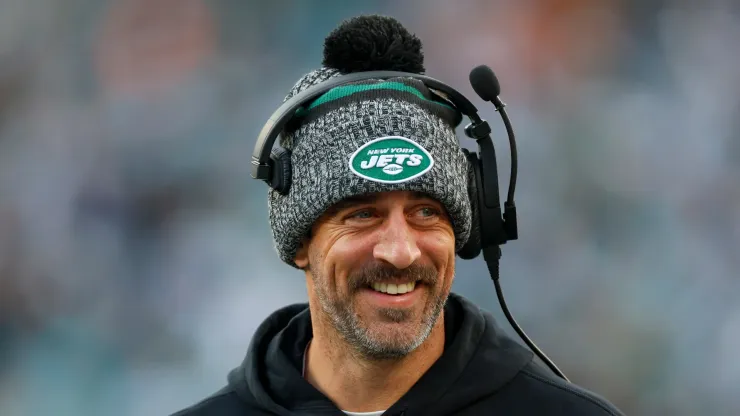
(351, 201)
(368, 199)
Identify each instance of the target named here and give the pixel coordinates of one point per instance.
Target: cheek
(440, 249)
(353, 247)
(441, 244)
(344, 255)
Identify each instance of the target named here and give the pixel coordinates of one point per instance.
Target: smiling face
(379, 270)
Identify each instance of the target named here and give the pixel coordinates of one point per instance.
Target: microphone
(486, 85)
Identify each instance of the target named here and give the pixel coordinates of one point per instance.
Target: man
(377, 210)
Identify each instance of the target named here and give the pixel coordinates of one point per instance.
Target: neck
(358, 384)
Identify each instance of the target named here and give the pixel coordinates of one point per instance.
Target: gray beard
(348, 325)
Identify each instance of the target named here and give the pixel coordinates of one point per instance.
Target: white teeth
(393, 289)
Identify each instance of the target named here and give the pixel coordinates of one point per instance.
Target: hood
(476, 349)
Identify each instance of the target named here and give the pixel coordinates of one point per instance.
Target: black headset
(490, 229)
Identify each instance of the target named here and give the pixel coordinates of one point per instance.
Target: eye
(428, 212)
(361, 214)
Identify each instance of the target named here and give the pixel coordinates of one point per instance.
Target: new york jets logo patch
(391, 159)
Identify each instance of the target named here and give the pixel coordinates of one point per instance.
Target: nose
(397, 243)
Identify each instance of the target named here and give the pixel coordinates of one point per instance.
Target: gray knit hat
(370, 136)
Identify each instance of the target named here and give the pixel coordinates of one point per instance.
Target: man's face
(380, 268)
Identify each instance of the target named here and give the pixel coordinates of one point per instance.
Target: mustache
(378, 272)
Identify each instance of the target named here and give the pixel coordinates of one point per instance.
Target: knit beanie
(369, 136)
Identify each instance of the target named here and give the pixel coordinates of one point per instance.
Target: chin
(388, 350)
(395, 340)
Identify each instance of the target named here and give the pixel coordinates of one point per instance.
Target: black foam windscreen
(485, 83)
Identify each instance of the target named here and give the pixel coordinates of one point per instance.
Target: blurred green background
(136, 258)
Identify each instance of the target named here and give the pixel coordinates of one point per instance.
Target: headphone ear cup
(472, 247)
(282, 170)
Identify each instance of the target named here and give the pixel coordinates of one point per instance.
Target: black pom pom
(373, 43)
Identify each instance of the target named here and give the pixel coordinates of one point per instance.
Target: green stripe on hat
(347, 90)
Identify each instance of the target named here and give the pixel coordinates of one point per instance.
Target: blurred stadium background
(135, 253)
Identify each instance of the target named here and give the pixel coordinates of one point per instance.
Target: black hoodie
(481, 372)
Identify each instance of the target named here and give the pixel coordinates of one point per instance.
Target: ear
(301, 256)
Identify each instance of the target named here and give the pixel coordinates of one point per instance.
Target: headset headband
(261, 166)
